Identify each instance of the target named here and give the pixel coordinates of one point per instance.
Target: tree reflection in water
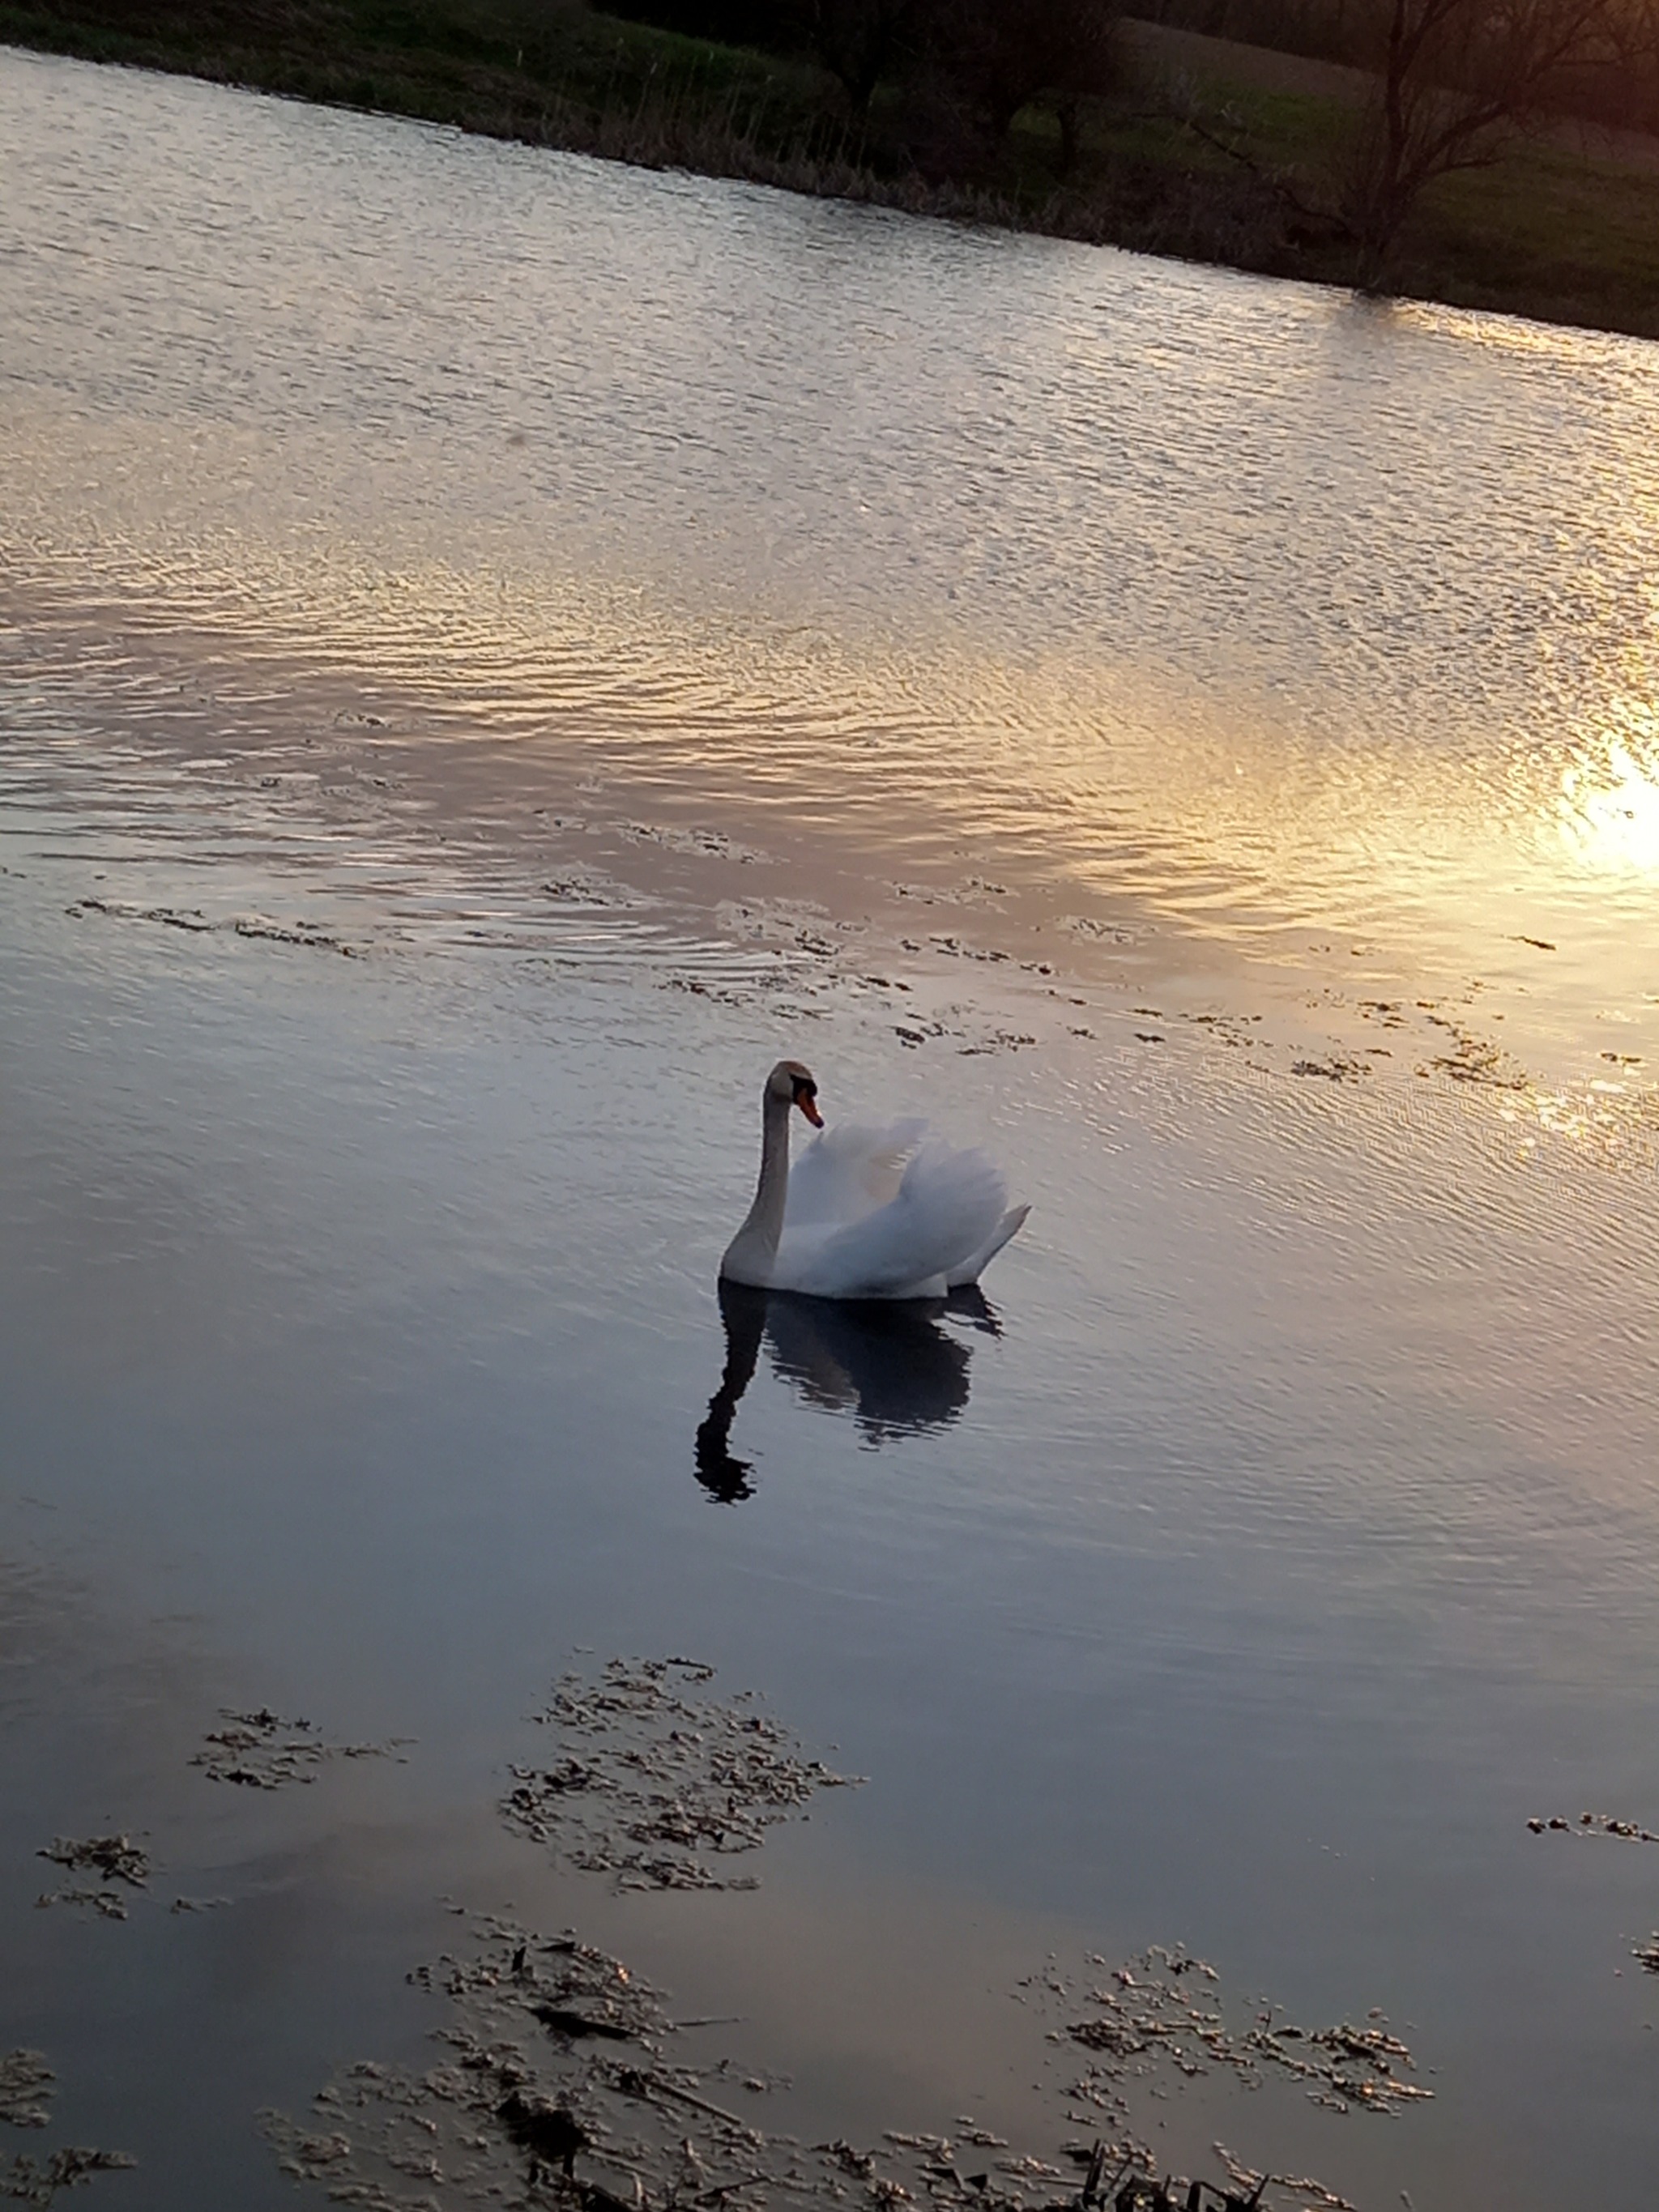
(890, 1364)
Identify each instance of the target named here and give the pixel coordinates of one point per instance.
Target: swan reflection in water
(892, 1364)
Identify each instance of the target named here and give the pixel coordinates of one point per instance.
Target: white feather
(947, 1207)
(848, 1172)
(868, 1211)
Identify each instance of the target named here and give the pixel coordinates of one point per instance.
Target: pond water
(497, 649)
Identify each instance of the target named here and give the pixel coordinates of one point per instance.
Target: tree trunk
(1070, 138)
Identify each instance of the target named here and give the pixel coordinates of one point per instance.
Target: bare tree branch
(1457, 81)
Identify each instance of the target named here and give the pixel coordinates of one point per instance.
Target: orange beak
(809, 1106)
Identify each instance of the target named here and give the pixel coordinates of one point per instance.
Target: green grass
(1563, 238)
(505, 67)
(1543, 233)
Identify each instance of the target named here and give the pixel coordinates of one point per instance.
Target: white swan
(867, 1213)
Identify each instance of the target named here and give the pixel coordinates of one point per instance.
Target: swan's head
(794, 1085)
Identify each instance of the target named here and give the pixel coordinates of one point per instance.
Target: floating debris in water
(564, 2084)
(521, 2116)
(1648, 1953)
(1149, 2018)
(590, 887)
(707, 844)
(108, 1904)
(26, 2094)
(1316, 2198)
(1088, 926)
(26, 2082)
(30, 2181)
(1594, 1824)
(651, 1784)
(117, 1857)
(1472, 1060)
(1156, 2021)
(262, 1751)
(1335, 1069)
(1139, 2193)
(534, 2080)
(192, 920)
(998, 1041)
(547, 2131)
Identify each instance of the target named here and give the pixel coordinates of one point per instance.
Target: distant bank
(1200, 149)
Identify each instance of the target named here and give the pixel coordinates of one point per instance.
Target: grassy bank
(1207, 151)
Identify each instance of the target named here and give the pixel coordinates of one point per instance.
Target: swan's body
(867, 1212)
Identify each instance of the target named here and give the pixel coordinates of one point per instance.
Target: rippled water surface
(496, 648)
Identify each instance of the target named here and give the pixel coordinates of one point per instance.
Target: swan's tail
(970, 1269)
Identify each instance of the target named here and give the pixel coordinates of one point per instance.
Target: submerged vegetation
(1049, 115)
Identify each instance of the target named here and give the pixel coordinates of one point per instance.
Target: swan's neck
(749, 1254)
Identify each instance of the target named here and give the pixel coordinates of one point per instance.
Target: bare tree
(1004, 55)
(1458, 80)
(860, 41)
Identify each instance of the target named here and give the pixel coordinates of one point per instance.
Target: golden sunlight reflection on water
(1072, 782)
(1174, 605)
(1609, 804)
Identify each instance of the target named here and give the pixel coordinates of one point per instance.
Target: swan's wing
(949, 1205)
(849, 1172)
(971, 1268)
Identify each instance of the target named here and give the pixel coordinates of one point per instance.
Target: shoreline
(1556, 233)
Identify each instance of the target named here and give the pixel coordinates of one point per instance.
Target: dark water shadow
(893, 1366)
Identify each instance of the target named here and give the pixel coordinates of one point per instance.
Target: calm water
(1196, 735)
